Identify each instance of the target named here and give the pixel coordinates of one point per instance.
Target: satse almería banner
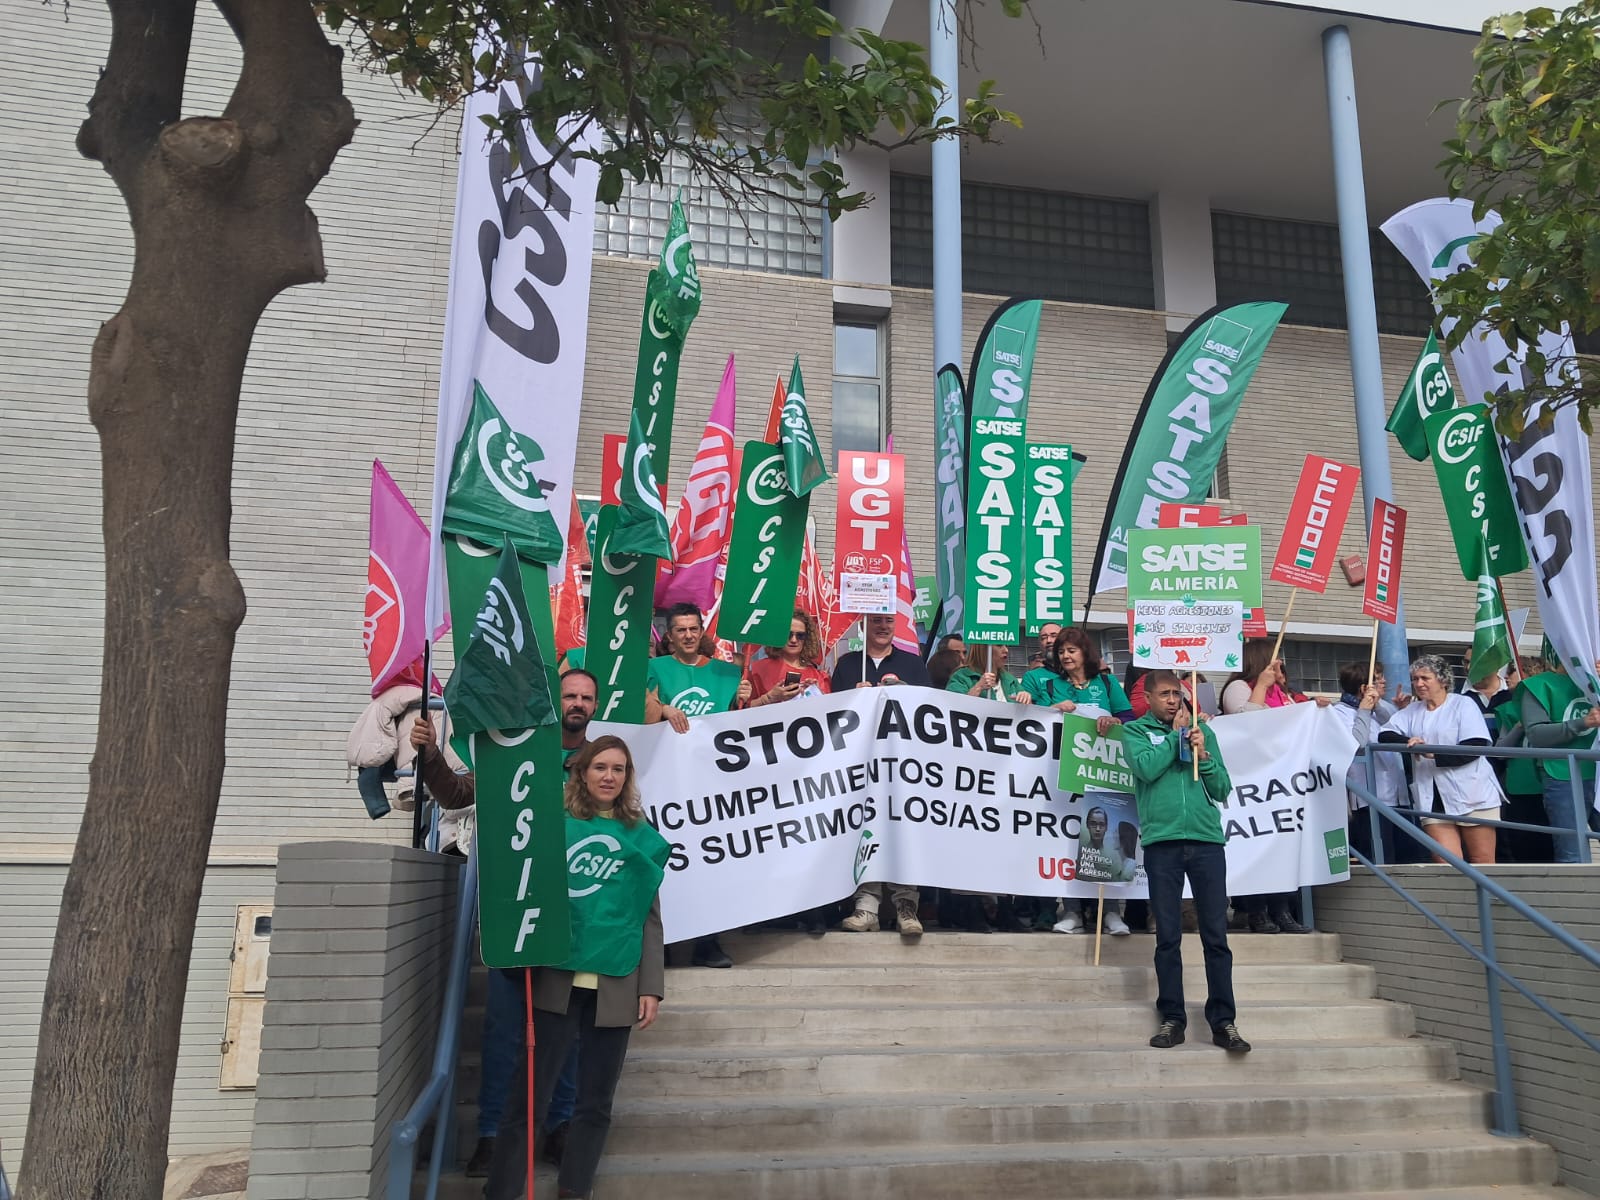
(792, 806)
(517, 313)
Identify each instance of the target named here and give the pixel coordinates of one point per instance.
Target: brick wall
(360, 947)
(1557, 1077)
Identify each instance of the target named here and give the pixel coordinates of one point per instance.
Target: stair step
(766, 1126)
(956, 949)
(1108, 1169)
(738, 1077)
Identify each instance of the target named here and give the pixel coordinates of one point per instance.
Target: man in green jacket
(1182, 834)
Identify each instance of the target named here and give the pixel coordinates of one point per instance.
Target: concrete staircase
(860, 1067)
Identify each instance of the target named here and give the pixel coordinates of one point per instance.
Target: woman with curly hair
(789, 670)
(1078, 679)
(611, 981)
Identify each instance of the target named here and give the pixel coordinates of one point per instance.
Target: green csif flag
(764, 550)
(675, 283)
(671, 301)
(1002, 370)
(621, 600)
(802, 457)
(500, 681)
(494, 489)
(1491, 636)
(1427, 391)
(1477, 498)
(641, 525)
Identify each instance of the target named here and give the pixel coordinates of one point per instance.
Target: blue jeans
(1206, 865)
(504, 1016)
(1558, 812)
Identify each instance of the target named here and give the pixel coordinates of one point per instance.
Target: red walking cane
(527, 993)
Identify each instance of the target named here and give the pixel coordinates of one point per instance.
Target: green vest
(1563, 700)
(699, 691)
(613, 874)
(965, 679)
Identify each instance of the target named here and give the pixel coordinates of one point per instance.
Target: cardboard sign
(869, 530)
(926, 601)
(1381, 597)
(1048, 541)
(1310, 541)
(1091, 761)
(1208, 564)
(1192, 635)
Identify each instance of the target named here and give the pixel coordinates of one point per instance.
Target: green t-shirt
(966, 679)
(574, 657)
(1562, 700)
(1047, 687)
(698, 691)
(613, 874)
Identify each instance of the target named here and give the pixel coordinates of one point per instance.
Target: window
(778, 238)
(1258, 258)
(857, 387)
(1022, 241)
(1220, 483)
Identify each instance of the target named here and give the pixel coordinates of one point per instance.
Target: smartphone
(791, 679)
(1185, 751)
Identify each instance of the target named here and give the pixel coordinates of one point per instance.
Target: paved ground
(219, 1176)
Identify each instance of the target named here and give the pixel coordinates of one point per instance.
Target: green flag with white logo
(523, 914)
(621, 599)
(764, 550)
(671, 301)
(802, 456)
(641, 525)
(494, 486)
(1427, 391)
(1491, 636)
(1477, 498)
(675, 283)
(501, 681)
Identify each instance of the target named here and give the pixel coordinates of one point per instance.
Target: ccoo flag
(1491, 637)
(501, 682)
(641, 526)
(393, 628)
(802, 458)
(1427, 391)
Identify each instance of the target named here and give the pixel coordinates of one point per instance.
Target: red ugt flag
(394, 624)
(705, 513)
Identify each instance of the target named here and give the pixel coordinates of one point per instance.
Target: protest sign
(614, 451)
(1477, 499)
(1047, 546)
(1108, 845)
(1209, 564)
(1188, 635)
(769, 533)
(621, 589)
(926, 602)
(791, 806)
(1188, 516)
(1381, 594)
(869, 529)
(1310, 541)
(1091, 761)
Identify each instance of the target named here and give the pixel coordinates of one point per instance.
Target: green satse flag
(675, 283)
(494, 490)
(641, 526)
(1491, 636)
(500, 682)
(1427, 391)
(802, 457)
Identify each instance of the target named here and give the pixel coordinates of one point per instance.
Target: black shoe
(708, 952)
(1261, 923)
(1227, 1036)
(1169, 1035)
(555, 1145)
(814, 924)
(1286, 923)
(478, 1165)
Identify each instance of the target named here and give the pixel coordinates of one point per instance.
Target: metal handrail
(1506, 1123)
(437, 1098)
(1580, 831)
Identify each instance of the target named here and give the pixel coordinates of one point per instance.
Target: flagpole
(419, 786)
(1283, 626)
(527, 994)
(1194, 713)
(1372, 657)
(1516, 655)
(1099, 919)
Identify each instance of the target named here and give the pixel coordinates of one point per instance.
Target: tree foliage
(1527, 145)
(742, 91)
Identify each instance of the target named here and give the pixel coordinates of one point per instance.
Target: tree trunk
(220, 227)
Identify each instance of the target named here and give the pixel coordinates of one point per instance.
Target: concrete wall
(204, 1117)
(1557, 1078)
(361, 942)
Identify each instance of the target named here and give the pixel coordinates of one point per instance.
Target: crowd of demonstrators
(1554, 713)
(612, 982)
(1447, 786)
(977, 676)
(1181, 824)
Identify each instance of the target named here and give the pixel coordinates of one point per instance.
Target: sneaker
(1072, 922)
(1116, 926)
(1169, 1035)
(905, 916)
(1261, 923)
(482, 1155)
(1227, 1036)
(860, 922)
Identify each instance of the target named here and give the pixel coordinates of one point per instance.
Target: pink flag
(394, 628)
(705, 514)
(905, 592)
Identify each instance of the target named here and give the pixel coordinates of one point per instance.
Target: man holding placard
(1182, 832)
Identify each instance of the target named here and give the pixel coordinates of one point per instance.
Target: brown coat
(618, 1002)
(445, 787)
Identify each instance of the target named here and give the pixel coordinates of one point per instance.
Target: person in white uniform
(1444, 786)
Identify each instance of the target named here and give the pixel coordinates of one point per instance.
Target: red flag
(1310, 539)
(775, 414)
(705, 513)
(394, 624)
(566, 598)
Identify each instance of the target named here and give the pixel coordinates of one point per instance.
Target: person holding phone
(791, 670)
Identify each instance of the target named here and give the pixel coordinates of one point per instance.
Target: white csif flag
(1548, 467)
(517, 317)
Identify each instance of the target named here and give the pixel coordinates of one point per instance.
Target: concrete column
(944, 59)
(859, 241)
(1361, 310)
(1186, 273)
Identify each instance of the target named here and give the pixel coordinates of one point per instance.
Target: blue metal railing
(1506, 1122)
(437, 1099)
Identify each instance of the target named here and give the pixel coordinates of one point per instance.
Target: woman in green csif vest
(1556, 714)
(611, 982)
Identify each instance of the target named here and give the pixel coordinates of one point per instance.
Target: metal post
(1505, 1100)
(1361, 309)
(1580, 811)
(1308, 916)
(1372, 816)
(945, 62)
